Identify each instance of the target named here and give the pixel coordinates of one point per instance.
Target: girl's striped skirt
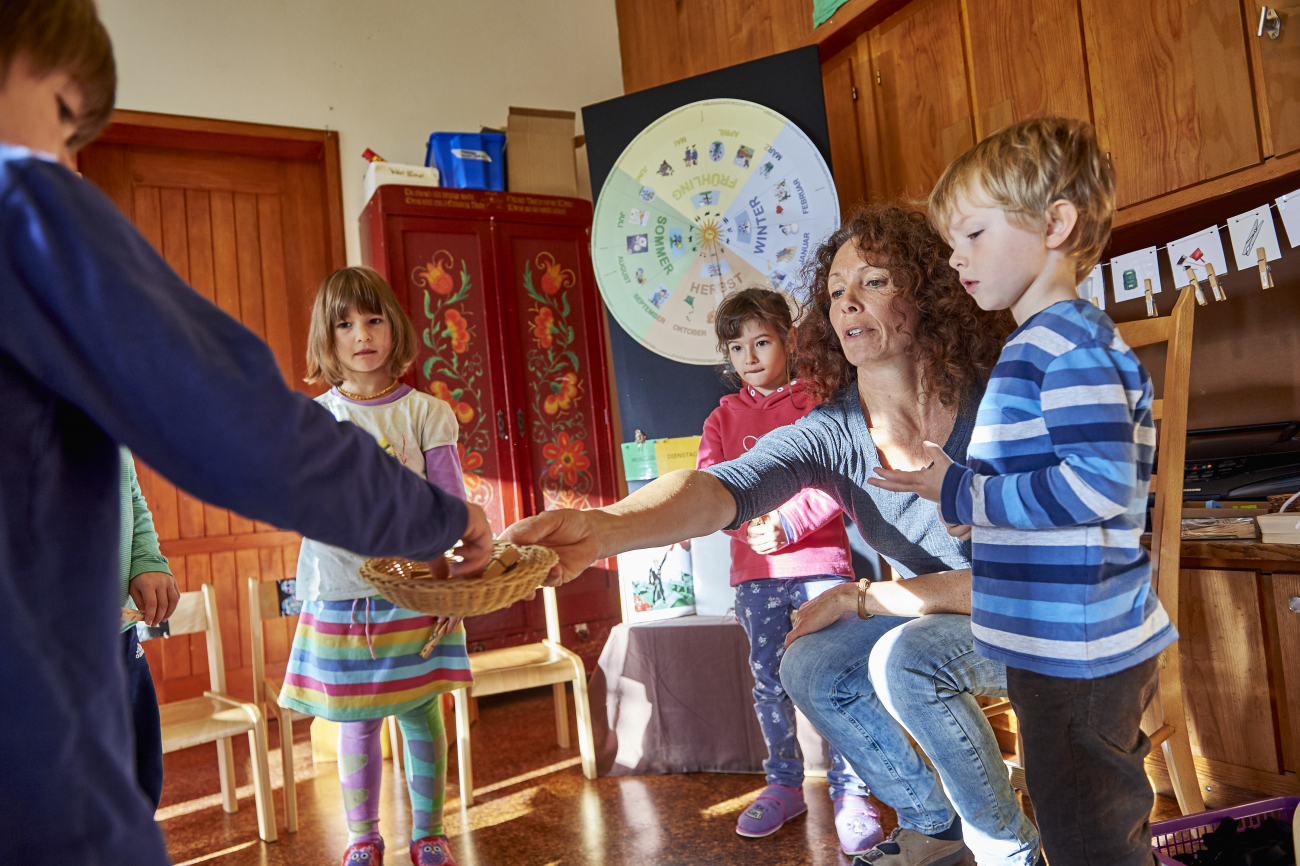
(359, 660)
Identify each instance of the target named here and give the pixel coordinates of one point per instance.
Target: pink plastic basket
(1183, 835)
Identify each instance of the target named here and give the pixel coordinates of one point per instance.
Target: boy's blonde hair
(364, 290)
(1023, 169)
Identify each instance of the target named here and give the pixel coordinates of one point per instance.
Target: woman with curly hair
(900, 354)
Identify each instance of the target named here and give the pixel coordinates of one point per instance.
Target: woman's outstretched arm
(684, 504)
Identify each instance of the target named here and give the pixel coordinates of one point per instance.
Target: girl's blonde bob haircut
(361, 289)
(1023, 169)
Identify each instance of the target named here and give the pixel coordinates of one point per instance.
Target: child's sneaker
(432, 851)
(769, 812)
(910, 848)
(363, 854)
(858, 824)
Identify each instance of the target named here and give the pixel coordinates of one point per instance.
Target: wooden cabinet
(922, 103)
(1277, 78)
(1171, 92)
(840, 87)
(1026, 60)
(510, 330)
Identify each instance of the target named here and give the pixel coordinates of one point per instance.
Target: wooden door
(254, 234)
(562, 405)
(923, 104)
(447, 274)
(1284, 624)
(1171, 92)
(840, 87)
(1026, 60)
(1277, 63)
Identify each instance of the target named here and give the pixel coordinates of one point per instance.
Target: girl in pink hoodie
(779, 561)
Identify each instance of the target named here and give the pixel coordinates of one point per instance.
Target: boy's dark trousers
(1083, 763)
(143, 701)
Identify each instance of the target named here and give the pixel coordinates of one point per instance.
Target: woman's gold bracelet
(862, 600)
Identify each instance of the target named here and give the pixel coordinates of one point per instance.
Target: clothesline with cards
(1200, 257)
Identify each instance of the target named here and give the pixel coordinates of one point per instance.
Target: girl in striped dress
(356, 657)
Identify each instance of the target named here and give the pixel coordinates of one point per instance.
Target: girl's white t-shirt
(405, 428)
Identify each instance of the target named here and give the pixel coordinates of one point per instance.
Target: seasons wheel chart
(713, 197)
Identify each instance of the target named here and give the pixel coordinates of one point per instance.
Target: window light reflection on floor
(729, 807)
(215, 854)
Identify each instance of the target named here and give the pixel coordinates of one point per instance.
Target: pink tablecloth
(675, 696)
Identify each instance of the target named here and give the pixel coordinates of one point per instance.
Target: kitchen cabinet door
(923, 103)
(1171, 92)
(1277, 75)
(1026, 60)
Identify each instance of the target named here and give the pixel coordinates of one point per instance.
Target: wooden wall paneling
(748, 28)
(1170, 92)
(249, 256)
(235, 638)
(1026, 60)
(225, 260)
(1277, 75)
(924, 112)
(306, 244)
(176, 650)
(1229, 716)
(1286, 587)
(275, 298)
(840, 87)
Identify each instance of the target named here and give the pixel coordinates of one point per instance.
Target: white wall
(384, 73)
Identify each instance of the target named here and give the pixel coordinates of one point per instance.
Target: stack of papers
(1218, 528)
(1279, 528)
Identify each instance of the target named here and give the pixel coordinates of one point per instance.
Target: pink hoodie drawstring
(370, 642)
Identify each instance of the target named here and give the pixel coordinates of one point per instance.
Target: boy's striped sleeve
(1088, 395)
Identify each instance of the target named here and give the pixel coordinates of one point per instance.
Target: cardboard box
(380, 173)
(539, 146)
(580, 165)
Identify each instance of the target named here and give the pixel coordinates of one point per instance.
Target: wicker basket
(411, 584)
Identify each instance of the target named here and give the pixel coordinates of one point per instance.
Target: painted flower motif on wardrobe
(562, 394)
(457, 330)
(464, 411)
(554, 277)
(565, 458)
(435, 274)
(544, 327)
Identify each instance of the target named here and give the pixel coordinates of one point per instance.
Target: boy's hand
(155, 594)
(961, 533)
(926, 483)
(766, 534)
(475, 549)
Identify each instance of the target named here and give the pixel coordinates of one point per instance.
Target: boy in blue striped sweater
(1055, 490)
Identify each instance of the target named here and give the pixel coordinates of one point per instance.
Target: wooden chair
(216, 717)
(1166, 545)
(264, 603)
(525, 667)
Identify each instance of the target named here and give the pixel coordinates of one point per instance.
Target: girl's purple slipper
(769, 812)
(858, 824)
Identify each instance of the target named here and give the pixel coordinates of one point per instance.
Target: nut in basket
(511, 574)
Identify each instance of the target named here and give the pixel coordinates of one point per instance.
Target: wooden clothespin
(1265, 272)
(1214, 283)
(1196, 284)
(1151, 299)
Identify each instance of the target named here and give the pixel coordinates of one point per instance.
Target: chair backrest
(552, 614)
(265, 601)
(197, 612)
(1171, 447)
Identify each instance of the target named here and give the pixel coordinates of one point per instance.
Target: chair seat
(201, 720)
(519, 667)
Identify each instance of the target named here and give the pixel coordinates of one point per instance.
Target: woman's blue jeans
(858, 679)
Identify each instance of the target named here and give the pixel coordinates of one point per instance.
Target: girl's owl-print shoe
(363, 854)
(432, 851)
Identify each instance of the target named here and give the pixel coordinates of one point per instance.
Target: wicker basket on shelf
(511, 574)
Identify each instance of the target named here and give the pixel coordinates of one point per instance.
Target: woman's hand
(569, 533)
(926, 483)
(823, 610)
(766, 534)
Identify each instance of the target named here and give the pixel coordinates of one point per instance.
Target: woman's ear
(1061, 217)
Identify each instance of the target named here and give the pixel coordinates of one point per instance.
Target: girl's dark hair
(768, 307)
(956, 342)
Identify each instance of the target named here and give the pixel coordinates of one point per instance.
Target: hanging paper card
(1094, 286)
(1128, 271)
(1249, 232)
(639, 460)
(1288, 208)
(1193, 252)
(678, 453)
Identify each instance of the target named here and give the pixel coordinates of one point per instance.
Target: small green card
(639, 460)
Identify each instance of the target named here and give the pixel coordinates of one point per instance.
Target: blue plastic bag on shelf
(468, 160)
